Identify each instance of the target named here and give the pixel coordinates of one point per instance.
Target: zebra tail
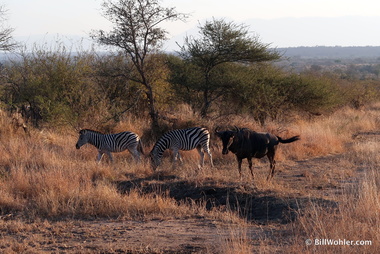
(140, 148)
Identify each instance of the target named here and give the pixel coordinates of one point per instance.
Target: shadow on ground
(261, 207)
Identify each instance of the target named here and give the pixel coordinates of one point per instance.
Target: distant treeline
(332, 52)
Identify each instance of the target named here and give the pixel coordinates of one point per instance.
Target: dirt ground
(269, 213)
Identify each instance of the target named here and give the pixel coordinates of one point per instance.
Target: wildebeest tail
(289, 140)
(140, 147)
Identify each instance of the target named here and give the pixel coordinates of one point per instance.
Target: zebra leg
(175, 156)
(99, 157)
(179, 157)
(135, 154)
(109, 155)
(210, 156)
(202, 155)
(207, 150)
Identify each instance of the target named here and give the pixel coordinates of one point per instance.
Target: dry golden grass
(358, 215)
(50, 178)
(42, 175)
(356, 219)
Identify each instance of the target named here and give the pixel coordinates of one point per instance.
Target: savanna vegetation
(55, 198)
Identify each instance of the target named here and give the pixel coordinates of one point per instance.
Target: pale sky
(282, 23)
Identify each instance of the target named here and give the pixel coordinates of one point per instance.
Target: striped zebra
(111, 143)
(184, 139)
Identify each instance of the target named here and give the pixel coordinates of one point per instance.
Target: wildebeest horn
(217, 129)
(236, 128)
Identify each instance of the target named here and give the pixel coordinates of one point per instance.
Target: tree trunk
(152, 110)
(206, 97)
(206, 104)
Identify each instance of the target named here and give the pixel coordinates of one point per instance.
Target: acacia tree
(137, 33)
(222, 42)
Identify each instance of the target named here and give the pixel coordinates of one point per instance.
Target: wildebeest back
(250, 144)
(259, 142)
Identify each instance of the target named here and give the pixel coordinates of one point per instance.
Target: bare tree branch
(6, 40)
(137, 33)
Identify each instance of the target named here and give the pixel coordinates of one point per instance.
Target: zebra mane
(83, 130)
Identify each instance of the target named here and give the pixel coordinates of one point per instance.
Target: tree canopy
(137, 33)
(222, 42)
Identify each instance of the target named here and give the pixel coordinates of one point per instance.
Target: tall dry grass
(357, 217)
(43, 175)
(36, 163)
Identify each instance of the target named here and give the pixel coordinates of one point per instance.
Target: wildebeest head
(227, 138)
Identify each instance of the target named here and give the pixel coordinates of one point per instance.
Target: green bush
(90, 90)
(268, 92)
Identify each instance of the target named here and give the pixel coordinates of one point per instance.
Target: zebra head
(154, 159)
(83, 138)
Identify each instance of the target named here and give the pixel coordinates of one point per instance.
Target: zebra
(182, 139)
(111, 143)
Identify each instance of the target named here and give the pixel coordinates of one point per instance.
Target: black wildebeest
(245, 143)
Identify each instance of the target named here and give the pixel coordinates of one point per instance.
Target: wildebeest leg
(239, 166)
(272, 162)
(250, 165)
(202, 155)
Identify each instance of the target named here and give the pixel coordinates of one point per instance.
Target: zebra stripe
(183, 139)
(111, 143)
